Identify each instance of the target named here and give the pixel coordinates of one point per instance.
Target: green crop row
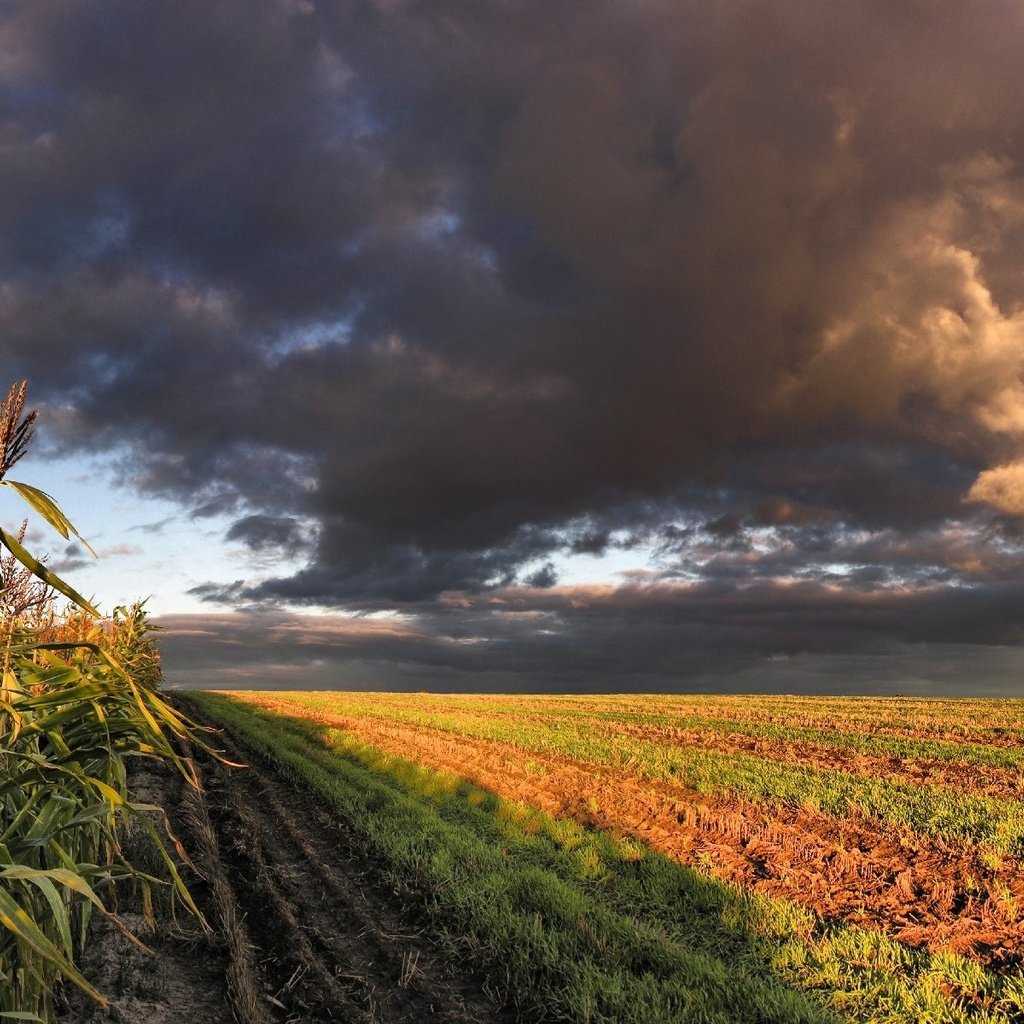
(75, 704)
(583, 926)
(930, 810)
(951, 720)
(833, 738)
(625, 711)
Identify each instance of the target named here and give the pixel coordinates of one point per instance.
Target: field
(627, 859)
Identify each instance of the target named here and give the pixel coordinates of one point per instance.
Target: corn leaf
(41, 572)
(48, 508)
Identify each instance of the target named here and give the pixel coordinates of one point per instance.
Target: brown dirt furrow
(990, 736)
(330, 935)
(922, 891)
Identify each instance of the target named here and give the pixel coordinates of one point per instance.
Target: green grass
(583, 926)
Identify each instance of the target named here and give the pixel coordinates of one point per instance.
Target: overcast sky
(537, 344)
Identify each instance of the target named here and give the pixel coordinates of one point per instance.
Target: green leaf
(41, 572)
(58, 909)
(48, 508)
(23, 928)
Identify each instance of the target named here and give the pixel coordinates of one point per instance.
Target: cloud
(641, 639)
(428, 296)
(1001, 487)
(542, 578)
(120, 551)
(73, 558)
(276, 533)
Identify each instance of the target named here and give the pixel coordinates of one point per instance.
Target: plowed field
(718, 859)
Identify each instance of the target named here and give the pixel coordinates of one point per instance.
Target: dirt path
(183, 978)
(305, 928)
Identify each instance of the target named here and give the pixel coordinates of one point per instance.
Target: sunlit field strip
(950, 814)
(995, 772)
(865, 743)
(956, 717)
(941, 763)
(983, 721)
(950, 710)
(954, 712)
(461, 846)
(954, 721)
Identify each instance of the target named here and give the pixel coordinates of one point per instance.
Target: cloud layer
(430, 295)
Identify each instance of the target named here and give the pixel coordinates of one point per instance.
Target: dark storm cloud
(646, 639)
(437, 291)
(369, 570)
(73, 557)
(275, 533)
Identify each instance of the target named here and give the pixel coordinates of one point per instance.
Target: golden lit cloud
(1002, 488)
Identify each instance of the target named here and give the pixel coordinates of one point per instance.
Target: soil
(303, 927)
(924, 892)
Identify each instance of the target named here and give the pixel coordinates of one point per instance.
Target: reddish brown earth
(303, 926)
(922, 891)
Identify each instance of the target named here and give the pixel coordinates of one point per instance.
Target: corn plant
(134, 646)
(71, 713)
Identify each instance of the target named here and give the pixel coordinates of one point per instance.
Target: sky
(474, 345)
